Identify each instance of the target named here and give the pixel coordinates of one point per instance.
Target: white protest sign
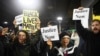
(80, 14)
(50, 33)
(19, 19)
(85, 23)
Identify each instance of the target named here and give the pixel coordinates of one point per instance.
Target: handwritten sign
(80, 14)
(19, 19)
(30, 18)
(50, 33)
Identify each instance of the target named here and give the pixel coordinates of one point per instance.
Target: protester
(22, 45)
(91, 37)
(1, 43)
(3, 40)
(64, 50)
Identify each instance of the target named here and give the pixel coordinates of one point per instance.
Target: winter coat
(92, 40)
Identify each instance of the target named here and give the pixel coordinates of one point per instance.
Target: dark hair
(4, 25)
(71, 43)
(52, 23)
(27, 36)
(63, 34)
(96, 20)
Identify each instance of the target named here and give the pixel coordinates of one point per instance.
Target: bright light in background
(25, 2)
(59, 18)
(5, 22)
(30, 4)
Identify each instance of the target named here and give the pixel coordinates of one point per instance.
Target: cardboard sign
(80, 14)
(50, 33)
(19, 19)
(30, 18)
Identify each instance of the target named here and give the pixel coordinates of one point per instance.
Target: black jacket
(55, 52)
(1, 48)
(92, 40)
(26, 49)
(17, 49)
(3, 45)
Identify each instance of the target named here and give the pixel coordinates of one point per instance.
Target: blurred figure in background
(4, 41)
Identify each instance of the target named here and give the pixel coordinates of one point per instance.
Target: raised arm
(81, 30)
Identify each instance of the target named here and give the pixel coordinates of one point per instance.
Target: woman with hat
(66, 46)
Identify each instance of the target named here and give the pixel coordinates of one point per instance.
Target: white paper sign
(50, 33)
(81, 14)
(20, 27)
(85, 23)
(19, 19)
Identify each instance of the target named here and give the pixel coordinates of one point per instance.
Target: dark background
(50, 11)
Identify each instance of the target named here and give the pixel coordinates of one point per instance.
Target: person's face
(95, 26)
(21, 37)
(5, 29)
(65, 40)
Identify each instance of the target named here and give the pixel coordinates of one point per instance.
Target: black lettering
(24, 20)
(27, 26)
(49, 37)
(46, 36)
(33, 20)
(81, 11)
(80, 16)
(49, 30)
(33, 27)
(54, 30)
(30, 14)
(29, 20)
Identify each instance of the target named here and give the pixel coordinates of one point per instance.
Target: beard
(96, 31)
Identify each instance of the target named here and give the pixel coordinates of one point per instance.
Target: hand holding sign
(81, 14)
(14, 22)
(38, 23)
(49, 43)
(80, 8)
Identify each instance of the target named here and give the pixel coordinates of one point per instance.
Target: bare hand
(49, 42)
(80, 8)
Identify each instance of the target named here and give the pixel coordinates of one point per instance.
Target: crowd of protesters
(21, 43)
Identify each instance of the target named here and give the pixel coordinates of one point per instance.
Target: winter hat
(64, 34)
(4, 24)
